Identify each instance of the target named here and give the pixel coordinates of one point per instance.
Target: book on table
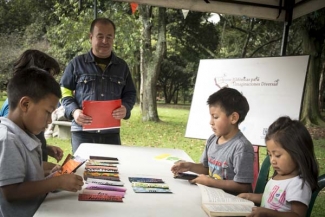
(101, 113)
(149, 185)
(216, 202)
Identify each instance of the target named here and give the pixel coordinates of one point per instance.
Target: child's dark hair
(230, 100)
(296, 140)
(35, 58)
(32, 82)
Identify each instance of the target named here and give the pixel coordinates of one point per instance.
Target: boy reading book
(33, 95)
(227, 160)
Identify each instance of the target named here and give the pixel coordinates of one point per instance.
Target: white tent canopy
(263, 9)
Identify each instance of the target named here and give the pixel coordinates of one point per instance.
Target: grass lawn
(169, 133)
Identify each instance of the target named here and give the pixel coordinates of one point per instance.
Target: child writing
(291, 151)
(228, 156)
(33, 95)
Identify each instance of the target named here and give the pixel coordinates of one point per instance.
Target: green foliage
(188, 41)
(15, 15)
(70, 36)
(195, 38)
(10, 49)
(249, 37)
(22, 25)
(174, 76)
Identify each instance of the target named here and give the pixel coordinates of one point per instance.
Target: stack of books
(102, 168)
(102, 180)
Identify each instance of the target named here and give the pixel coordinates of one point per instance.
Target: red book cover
(101, 113)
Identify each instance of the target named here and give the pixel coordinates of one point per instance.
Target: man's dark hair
(101, 20)
(230, 100)
(36, 58)
(32, 82)
(293, 137)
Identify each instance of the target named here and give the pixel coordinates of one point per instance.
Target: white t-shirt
(279, 193)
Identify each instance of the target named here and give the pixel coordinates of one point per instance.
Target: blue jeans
(79, 137)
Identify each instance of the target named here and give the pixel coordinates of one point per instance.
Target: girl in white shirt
(291, 151)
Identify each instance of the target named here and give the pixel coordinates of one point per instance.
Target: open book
(216, 202)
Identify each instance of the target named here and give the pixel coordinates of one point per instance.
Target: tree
(249, 37)
(174, 77)
(313, 36)
(22, 25)
(151, 58)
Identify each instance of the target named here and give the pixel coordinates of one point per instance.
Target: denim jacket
(89, 82)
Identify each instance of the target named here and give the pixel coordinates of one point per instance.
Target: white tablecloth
(134, 161)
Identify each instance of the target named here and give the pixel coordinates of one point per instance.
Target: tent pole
(289, 5)
(95, 9)
(284, 38)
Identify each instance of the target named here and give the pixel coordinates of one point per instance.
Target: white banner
(273, 87)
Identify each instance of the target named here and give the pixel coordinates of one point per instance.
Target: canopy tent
(263, 9)
(277, 10)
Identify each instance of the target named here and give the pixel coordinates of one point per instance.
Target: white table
(134, 161)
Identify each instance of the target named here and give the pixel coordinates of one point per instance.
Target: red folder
(101, 113)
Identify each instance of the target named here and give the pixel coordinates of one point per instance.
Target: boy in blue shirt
(33, 95)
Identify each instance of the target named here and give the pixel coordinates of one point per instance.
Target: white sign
(273, 87)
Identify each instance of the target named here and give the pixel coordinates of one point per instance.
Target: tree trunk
(321, 89)
(151, 61)
(248, 37)
(137, 80)
(312, 45)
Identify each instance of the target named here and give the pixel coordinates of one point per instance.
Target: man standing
(97, 75)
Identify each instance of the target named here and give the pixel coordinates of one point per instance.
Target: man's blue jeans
(79, 137)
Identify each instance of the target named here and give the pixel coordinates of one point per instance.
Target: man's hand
(80, 118)
(119, 113)
(55, 152)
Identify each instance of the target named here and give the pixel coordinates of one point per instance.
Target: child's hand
(55, 152)
(70, 182)
(180, 167)
(48, 167)
(201, 179)
(244, 196)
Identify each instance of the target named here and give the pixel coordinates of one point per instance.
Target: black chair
(321, 184)
(263, 176)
